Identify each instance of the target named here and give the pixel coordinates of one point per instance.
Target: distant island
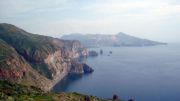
(117, 40)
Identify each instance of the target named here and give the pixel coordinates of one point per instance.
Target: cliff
(45, 60)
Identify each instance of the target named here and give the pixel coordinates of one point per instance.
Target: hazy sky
(152, 19)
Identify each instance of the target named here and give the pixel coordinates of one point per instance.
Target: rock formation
(93, 53)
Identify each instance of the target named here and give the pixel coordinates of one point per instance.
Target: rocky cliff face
(46, 59)
(14, 68)
(74, 49)
(80, 68)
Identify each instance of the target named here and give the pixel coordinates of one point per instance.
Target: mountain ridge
(119, 39)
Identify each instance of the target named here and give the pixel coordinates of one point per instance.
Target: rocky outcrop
(87, 69)
(76, 67)
(80, 68)
(45, 59)
(93, 53)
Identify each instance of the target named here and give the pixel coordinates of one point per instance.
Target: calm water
(142, 73)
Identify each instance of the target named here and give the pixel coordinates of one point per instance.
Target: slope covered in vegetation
(16, 92)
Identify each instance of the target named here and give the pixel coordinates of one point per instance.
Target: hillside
(13, 67)
(100, 40)
(37, 60)
(16, 92)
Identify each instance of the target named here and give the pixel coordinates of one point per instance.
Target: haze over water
(142, 73)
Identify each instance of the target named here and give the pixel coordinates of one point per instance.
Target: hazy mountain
(100, 40)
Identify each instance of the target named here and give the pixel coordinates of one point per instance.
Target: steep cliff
(47, 58)
(80, 68)
(14, 68)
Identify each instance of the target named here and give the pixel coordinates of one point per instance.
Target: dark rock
(101, 51)
(87, 98)
(93, 53)
(110, 52)
(131, 100)
(115, 97)
(87, 69)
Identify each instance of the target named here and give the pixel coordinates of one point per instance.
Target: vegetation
(6, 52)
(16, 92)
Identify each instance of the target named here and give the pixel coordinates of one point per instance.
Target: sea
(149, 73)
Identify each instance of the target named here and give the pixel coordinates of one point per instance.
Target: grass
(16, 92)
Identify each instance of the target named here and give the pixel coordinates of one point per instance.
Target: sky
(153, 19)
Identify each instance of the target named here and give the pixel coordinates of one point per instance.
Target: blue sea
(142, 73)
